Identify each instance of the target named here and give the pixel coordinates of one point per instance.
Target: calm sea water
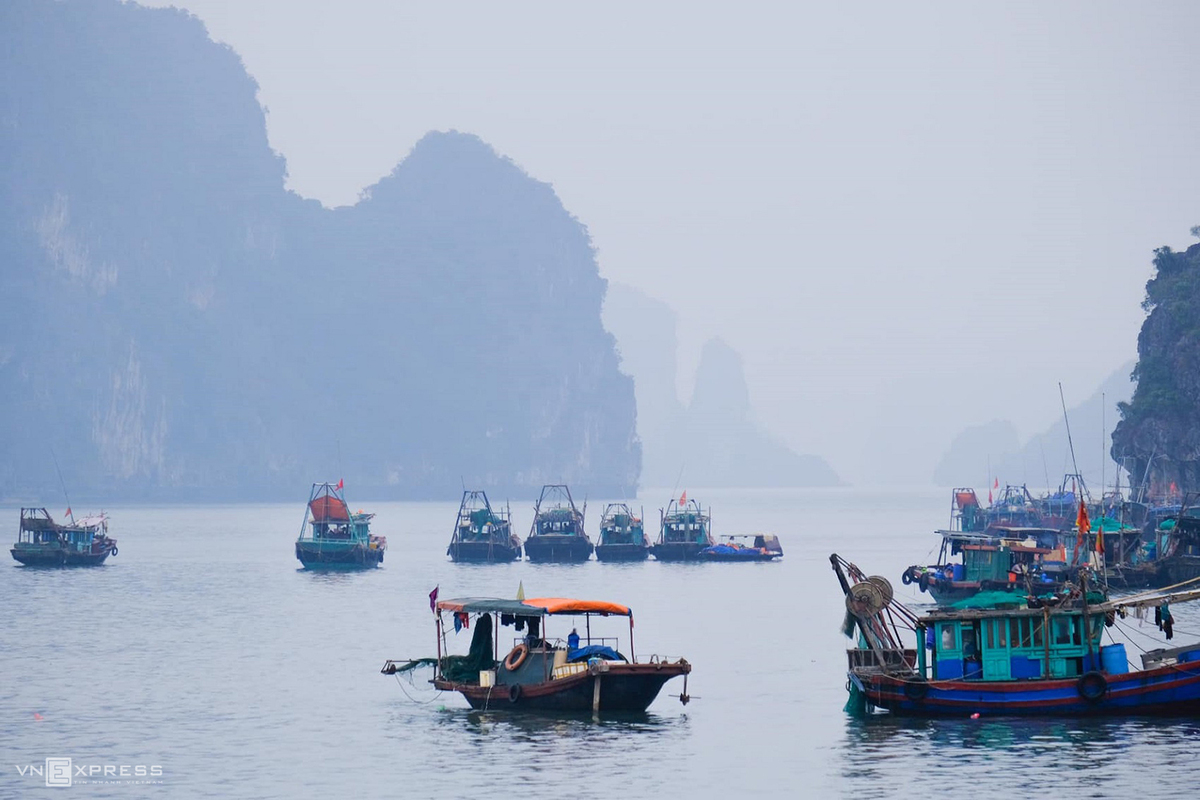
(203, 649)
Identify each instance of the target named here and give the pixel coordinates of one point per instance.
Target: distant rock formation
(714, 441)
(181, 327)
(1159, 432)
(1046, 457)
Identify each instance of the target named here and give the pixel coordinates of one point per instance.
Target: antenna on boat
(63, 484)
(1067, 420)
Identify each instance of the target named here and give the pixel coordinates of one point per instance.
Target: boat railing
(884, 660)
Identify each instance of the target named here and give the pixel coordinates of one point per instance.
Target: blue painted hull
(1165, 691)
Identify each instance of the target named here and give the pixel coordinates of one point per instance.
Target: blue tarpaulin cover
(594, 651)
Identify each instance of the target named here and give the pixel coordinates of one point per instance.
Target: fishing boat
(481, 534)
(566, 674)
(332, 537)
(622, 536)
(42, 542)
(1035, 656)
(557, 535)
(744, 547)
(1006, 559)
(684, 530)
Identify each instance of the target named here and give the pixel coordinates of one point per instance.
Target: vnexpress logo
(58, 772)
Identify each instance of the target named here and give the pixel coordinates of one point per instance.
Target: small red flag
(340, 483)
(433, 600)
(1100, 540)
(683, 498)
(996, 483)
(68, 513)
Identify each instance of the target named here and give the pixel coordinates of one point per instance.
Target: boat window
(997, 634)
(948, 641)
(969, 647)
(1062, 630)
(1025, 632)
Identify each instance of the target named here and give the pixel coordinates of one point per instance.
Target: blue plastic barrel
(958, 572)
(1113, 660)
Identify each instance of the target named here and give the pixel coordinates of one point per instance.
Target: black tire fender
(113, 552)
(923, 582)
(1092, 686)
(906, 578)
(514, 693)
(916, 690)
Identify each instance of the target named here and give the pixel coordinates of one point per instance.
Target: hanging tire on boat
(113, 552)
(516, 658)
(907, 578)
(916, 690)
(1092, 686)
(514, 693)
(923, 582)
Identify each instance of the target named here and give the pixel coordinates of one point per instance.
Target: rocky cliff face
(1159, 432)
(181, 327)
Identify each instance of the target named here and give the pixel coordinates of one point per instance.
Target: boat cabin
(1001, 645)
(685, 524)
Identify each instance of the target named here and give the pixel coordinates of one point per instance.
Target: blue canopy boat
(42, 542)
(332, 537)
(1032, 657)
(481, 534)
(557, 534)
(540, 673)
(622, 535)
(744, 547)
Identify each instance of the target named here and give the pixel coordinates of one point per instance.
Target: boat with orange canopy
(577, 672)
(333, 537)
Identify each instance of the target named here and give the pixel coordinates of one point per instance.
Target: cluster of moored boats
(557, 535)
(1023, 591)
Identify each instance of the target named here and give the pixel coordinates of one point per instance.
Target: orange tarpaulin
(328, 508)
(566, 605)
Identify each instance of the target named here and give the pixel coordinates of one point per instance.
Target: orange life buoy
(517, 657)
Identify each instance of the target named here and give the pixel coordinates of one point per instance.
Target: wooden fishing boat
(684, 530)
(42, 542)
(744, 547)
(571, 674)
(622, 535)
(557, 534)
(331, 537)
(482, 535)
(1005, 559)
(1033, 657)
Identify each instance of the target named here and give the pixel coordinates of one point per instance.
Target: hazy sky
(909, 217)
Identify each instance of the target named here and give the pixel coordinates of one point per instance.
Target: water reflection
(945, 751)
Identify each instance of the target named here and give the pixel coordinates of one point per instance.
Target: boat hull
(677, 551)
(482, 552)
(748, 557)
(325, 556)
(1165, 691)
(622, 552)
(623, 688)
(58, 558)
(552, 548)
(1180, 568)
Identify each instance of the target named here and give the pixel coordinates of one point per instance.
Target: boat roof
(533, 607)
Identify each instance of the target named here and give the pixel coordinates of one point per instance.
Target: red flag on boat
(68, 513)
(1174, 488)
(1085, 527)
(340, 484)
(683, 498)
(433, 600)
(1100, 538)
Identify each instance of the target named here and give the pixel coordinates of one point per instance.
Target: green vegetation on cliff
(1157, 436)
